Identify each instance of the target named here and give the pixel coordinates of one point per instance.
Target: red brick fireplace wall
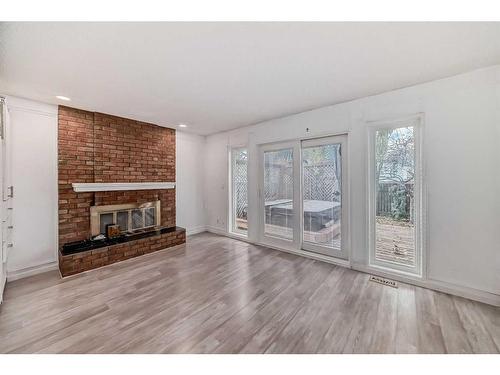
(95, 147)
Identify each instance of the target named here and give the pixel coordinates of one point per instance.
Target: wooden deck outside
(395, 242)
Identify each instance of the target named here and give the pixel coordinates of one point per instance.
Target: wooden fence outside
(385, 198)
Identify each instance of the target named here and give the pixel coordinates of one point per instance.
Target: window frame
(419, 269)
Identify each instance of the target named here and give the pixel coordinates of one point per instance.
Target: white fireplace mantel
(120, 186)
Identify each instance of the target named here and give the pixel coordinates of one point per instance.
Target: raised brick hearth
(90, 259)
(95, 147)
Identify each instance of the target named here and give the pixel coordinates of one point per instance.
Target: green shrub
(398, 203)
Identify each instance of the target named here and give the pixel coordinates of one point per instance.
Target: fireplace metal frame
(97, 211)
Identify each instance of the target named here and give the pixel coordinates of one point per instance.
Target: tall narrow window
(394, 198)
(239, 191)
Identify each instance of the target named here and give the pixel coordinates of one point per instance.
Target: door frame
(295, 246)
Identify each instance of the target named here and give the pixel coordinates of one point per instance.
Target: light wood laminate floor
(220, 295)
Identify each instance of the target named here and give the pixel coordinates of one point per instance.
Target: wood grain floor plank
(342, 322)
(250, 316)
(407, 327)
(291, 338)
(430, 337)
(264, 338)
(478, 336)
(384, 335)
(454, 332)
(220, 295)
(363, 328)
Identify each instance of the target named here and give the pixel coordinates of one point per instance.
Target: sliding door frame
(276, 241)
(344, 187)
(295, 246)
(419, 269)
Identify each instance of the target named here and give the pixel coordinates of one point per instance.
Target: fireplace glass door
(129, 217)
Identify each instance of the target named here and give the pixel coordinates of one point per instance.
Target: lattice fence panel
(240, 188)
(278, 175)
(278, 183)
(321, 183)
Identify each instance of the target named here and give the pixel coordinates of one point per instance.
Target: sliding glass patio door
(302, 193)
(280, 196)
(323, 205)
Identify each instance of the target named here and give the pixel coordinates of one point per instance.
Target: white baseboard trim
(465, 292)
(324, 258)
(224, 233)
(195, 230)
(216, 230)
(440, 286)
(311, 255)
(30, 271)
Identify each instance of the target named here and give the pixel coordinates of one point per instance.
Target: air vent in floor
(383, 281)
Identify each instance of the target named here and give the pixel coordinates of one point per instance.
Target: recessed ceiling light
(63, 98)
(182, 126)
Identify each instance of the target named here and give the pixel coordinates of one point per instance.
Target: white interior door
(324, 203)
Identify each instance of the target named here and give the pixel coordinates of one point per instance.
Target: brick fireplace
(99, 148)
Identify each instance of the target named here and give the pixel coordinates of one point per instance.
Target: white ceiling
(220, 76)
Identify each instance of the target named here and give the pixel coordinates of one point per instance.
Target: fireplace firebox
(130, 217)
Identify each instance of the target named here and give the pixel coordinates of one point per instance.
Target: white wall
(462, 157)
(189, 155)
(34, 176)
